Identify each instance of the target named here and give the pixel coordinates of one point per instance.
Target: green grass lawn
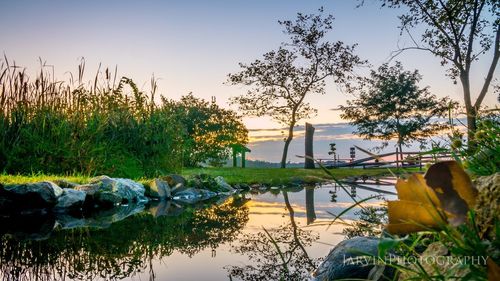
(270, 176)
(276, 176)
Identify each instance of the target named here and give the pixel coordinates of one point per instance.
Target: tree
(281, 80)
(209, 130)
(390, 105)
(458, 32)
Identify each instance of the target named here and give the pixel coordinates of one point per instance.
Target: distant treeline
(107, 126)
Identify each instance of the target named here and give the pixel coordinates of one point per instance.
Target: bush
(101, 128)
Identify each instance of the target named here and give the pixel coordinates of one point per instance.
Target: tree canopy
(209, 130)
(391, 105)
(458, 32)
(281, 80)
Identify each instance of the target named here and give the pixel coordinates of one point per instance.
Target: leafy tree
(390, 104)
(281, 80)
(458, 32)
(209, 130)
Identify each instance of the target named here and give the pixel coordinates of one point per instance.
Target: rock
(242, 186)
(31, 195)
(222, 184)
(487, 204)
(432, 262)
(89, 189)
(108, 198)
(159, 189)
(193, 195)
(256, 186)
(341, 262)
(62, 183)
(175, 180)
(71, 199)
(128, 190)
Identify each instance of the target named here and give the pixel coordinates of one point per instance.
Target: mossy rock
(488, 204)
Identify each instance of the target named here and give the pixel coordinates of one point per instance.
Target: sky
(191, 46)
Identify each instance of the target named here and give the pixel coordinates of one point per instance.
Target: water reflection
(200, 242)
(278, 253)
(123, 249)
(310, 213)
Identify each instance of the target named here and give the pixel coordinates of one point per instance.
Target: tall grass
(105, 126)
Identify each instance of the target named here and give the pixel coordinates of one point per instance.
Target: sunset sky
(191, 46)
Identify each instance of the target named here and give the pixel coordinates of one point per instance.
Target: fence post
(397, 158)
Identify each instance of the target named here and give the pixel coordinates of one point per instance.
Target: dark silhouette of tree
(281, 80)
(390, 104)
(457, 32)
(278, 253)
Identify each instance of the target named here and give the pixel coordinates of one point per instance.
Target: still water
(254, 236)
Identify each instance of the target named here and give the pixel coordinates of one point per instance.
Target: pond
(241, 237)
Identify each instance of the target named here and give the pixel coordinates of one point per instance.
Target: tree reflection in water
(124, 249)
(278, 253)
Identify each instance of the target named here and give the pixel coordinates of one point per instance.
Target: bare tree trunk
(469, 109)
(287, 143)
(309, 162)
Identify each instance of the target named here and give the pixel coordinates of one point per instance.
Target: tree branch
(475, 20)
(491, 71)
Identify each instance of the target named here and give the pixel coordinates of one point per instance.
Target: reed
(64, 127)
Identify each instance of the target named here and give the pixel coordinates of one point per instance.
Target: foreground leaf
(444, 195)
(454, 189)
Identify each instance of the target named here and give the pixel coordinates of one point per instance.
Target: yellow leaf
(453, 188)
(445, 194)
(411, 216)
(415, 189)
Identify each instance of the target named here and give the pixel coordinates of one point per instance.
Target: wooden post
(420, 161)
(397, 158)
(309, 163)
(235, 163)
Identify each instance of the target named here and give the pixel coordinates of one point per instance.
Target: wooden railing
(412, 159)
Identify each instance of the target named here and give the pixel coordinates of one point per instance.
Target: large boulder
(346, 260)
(175, 181)
(71, 199)
(222, 184)
(128, 190)
(159, 189)
(30, 195)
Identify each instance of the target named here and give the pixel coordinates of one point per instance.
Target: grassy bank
(271, 176)
(276, 176)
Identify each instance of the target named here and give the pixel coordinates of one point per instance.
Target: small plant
(370, 222)
(481, 156)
